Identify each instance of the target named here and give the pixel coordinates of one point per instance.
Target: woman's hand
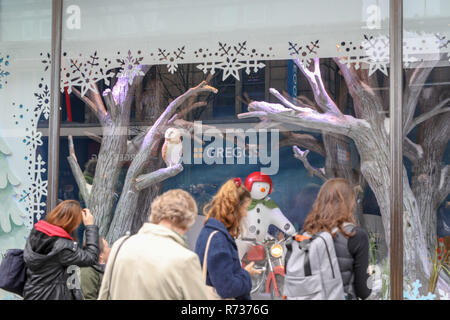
(249, 268)
(88, 218)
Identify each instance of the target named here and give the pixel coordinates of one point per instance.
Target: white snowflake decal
(415, 295)
(172, 58)
(43, 101)
(131, 67)
(374, 51)
(304, 53)
(37, 190)
(33, 139)
(233, 59)
(377, 51)
(85, 73)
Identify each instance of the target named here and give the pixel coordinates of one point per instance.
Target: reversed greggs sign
(229, 147)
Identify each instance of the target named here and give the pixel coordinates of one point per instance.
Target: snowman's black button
(259, 220)
(257, 232)
(258, 210)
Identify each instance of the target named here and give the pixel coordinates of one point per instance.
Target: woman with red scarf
(51, 253)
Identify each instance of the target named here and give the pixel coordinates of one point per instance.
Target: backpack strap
(288, 245)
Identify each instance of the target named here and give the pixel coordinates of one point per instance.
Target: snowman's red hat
(257, 177)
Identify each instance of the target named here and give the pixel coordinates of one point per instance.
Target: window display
(161, 95)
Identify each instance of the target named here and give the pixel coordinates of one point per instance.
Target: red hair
(226, 206)
(66, 215)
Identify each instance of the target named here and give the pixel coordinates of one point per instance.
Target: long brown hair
(333, 207)
(66, 215)
(226, 206)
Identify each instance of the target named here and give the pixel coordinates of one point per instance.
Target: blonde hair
(226, 205)
(175, 205)
(333, 207)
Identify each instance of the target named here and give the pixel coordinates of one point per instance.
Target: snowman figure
(263, 211)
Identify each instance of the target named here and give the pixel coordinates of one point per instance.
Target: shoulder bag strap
(112, 266)
(205, 257)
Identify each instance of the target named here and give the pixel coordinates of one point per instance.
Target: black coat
(48, 260)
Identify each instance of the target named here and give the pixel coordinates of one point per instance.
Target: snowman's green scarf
(269, 203)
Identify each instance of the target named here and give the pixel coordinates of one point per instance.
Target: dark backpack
(13, 272)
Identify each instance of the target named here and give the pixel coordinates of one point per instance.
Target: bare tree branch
(287, 103)
(320, 93)
(86, 100)
(444, 183)
(147, 180)
(367, 104)
(425, 116)
(346, 125)
(93, 136)
(77, 172)
(95, 96)
(191, 107)
(304, 140)
(415, 83)
(411, 150)
(303, 157)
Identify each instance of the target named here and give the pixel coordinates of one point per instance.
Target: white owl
(172, 149)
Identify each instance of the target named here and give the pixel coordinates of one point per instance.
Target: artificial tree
(112, 109)
(368, 128)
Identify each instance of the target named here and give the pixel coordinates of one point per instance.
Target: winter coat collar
(215, 224)
(51, 230)
(161, 231)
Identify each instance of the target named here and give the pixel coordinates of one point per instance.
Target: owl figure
(172, 149)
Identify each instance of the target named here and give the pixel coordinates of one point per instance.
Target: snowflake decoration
(36, 190)
(377, 51)
(232, 59)
(347, 51)
(3, 73)
(131, 67)
(415, 295)
(444, 44)
(33, 139)
(43, 101)
(304, 53)
(85, 73)
(172, 58)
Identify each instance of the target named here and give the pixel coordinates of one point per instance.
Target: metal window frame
(396, 148)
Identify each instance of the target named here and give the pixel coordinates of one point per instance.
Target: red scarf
(51, 230)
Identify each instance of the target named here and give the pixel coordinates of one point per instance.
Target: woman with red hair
(216, 244)
(50, 251)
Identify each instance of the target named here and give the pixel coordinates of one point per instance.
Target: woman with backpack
(333, 212)
(51, 253)
(216, 246)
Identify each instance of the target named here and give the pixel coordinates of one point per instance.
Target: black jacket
(353, 259)
(49, 259)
